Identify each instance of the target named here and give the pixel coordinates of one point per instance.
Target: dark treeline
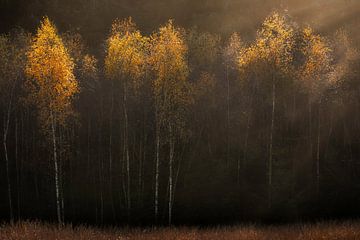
(92, 18)
(183, 125)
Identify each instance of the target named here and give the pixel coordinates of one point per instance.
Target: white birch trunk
(126, 142)
(57, 190)
(271, 144)
(171, 161)
(157, 171)
(6, 129)
(318, 152)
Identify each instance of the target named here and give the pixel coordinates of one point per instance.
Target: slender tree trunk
(123, 169)
(245, 149)
(6, 129)
(318, 152)
(311, 144)
(177, 173)
(310, 128)
(126, 142)
(101, 183)
(101, 193)
(143, 168)
(8, 171)
(93, 187)
(57, 190)
(88, 145)
(271, 144)
(157, 171)
(101, 164)
(142, 154)
(110, 149)
(22, 157)
(17, 167)
(328, 136)
(228, 117)
(140, 167)
(171, 161)
(110, 132)
(61, 181)
(293, 169)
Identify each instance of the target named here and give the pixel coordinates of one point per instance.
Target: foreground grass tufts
(41, 231)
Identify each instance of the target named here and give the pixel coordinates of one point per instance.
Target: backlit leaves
(51, 84)
(168, 61)
(273, 46)
(314, 73)
(126, 52)
(233, 50)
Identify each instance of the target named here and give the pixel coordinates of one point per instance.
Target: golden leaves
(346, 55)
(51, 84)
(274, 44)
(315, 70)
(123, 27)
(129, 54)
(277, 43)
(126, 52)
(168, 52)
(89, 66)
(171, 89)
(233, 50)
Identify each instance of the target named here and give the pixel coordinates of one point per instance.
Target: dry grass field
(39, 231)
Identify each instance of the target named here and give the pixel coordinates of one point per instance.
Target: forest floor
(325, 230)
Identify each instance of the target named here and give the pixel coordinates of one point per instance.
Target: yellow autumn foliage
(317, 64)
(273, 45)
(233, 50)
(51, 84)
(126, 53)
(171, 87)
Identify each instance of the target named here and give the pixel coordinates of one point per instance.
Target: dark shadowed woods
(234, 111)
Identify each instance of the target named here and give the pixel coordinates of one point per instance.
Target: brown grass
(39, 231)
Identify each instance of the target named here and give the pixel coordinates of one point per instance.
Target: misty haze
(180, 119)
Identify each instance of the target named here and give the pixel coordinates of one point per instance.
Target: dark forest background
(221, 167)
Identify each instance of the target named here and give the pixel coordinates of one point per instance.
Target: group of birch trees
(177, 125)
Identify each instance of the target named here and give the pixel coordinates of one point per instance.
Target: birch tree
(314, 75)
(270, 56)
(171, 91)
(125, 62)
(51, 87)
(231, 54)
